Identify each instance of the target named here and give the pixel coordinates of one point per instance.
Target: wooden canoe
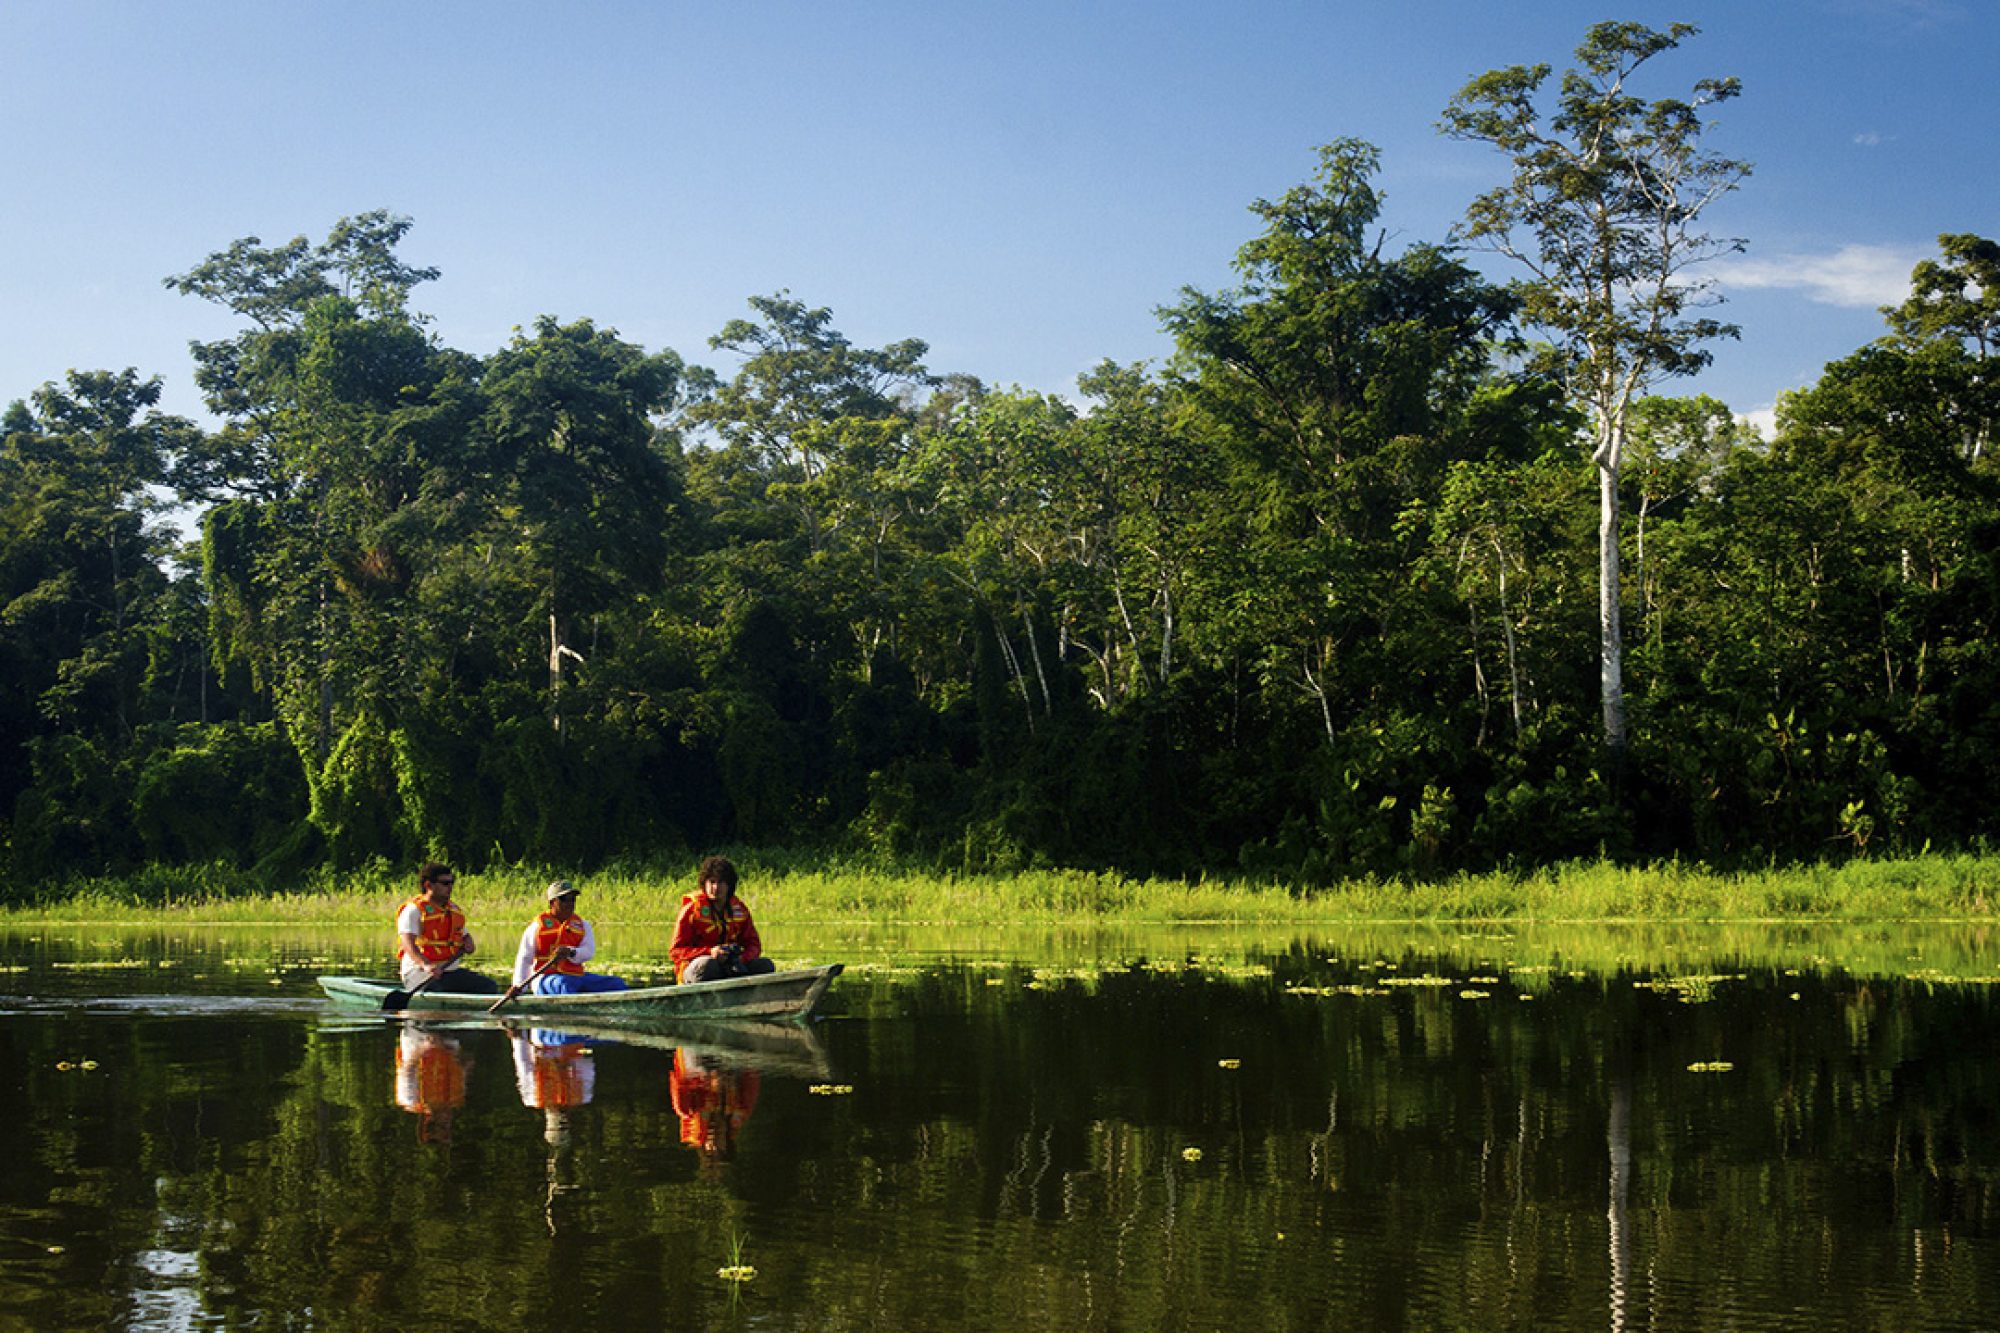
(774, 996)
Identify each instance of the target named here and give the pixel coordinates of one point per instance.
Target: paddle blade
(395, 1001)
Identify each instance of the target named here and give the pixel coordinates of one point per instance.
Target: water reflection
(1296, 1143)
(431, 1073)
(713, 1100)
(555, 1072)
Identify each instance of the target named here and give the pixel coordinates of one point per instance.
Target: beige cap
(562, 888)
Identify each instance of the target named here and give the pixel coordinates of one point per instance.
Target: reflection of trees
(1015, 1156)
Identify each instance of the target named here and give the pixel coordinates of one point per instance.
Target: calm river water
(1343, 1132)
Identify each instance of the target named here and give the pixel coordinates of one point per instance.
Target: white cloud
(1858, 276)
(1871, 139)
(1763, 420)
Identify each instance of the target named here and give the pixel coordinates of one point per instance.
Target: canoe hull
(776, 996)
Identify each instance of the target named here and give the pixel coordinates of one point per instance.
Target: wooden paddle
(520, 986)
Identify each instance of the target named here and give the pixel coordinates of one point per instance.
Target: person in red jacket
(714, 938)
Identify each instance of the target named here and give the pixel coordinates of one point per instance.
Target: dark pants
(461, 982)
(710, 968)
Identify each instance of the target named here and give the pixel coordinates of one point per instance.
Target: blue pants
(555, 983)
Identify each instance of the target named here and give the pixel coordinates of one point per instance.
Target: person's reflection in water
(555, 1074)
(431, 1071)
(712, 1101)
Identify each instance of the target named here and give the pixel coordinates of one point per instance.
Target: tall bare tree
(1603, 211)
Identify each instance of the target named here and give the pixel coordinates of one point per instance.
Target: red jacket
(700, 929)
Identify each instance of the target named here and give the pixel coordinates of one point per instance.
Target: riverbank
(1962, 887)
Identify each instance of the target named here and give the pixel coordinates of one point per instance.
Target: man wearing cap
(562, 935)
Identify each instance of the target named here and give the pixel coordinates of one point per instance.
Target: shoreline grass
(789, 888)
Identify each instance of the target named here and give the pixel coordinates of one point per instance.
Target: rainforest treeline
(1315, 597)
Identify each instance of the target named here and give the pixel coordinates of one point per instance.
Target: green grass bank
(1961, 887)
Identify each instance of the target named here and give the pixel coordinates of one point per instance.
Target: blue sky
(1019, 185)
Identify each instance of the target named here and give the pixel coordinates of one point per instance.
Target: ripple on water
(165, 1006)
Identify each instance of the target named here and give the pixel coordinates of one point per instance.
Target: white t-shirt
(524, 957)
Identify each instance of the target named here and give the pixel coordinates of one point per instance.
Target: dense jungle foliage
(1316, 597)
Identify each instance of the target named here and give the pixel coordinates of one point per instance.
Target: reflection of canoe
(794, 1049)
(774, 1048)
(776, 995)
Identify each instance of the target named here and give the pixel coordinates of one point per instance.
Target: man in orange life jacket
(560, 933)
(714, 937)
(433, 937)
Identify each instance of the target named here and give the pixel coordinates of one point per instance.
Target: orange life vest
(440, 1077)
(550, 935)
(439, 930)
(558, 1076)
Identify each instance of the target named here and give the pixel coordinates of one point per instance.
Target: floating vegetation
(1047, 978)
(1426, 980)
(1191, 1154)
(1229, 1064)
(1233, 971)
(1935, 977)
(736, 1270)
(1335, 990)
(1690, 990)
(99, 964)
(1469, 994)
(831, 1089)
(1484, 981)
(1711, 1067)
